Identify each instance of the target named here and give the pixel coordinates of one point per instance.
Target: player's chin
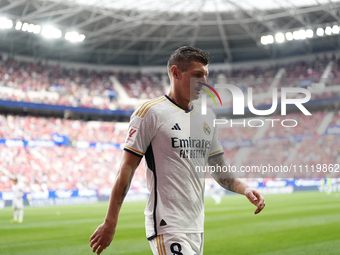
(194, 96)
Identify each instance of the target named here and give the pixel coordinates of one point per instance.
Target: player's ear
(175, 72)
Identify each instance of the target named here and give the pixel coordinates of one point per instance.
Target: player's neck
(179, 100)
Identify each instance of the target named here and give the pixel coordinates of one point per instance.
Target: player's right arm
(142, 129)
(104, 234)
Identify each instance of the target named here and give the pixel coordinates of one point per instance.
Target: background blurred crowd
(70, 167)
(56, 85)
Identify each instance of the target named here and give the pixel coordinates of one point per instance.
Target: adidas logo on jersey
(176, 127)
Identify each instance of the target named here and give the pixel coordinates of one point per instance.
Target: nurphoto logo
(239, 103)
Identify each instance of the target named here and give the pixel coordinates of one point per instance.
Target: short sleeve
(142, 129)
(216, 146)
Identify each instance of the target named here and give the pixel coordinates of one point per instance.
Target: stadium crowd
(31, 128)
(70, 167)
(58, 85)
(63, 167)
(41, 83)
(140, 85)
(236, 132)
(336, 119)
(318, 150)
(269, 151)
(306, 124)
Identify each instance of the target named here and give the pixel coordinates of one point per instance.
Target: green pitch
(300, 223)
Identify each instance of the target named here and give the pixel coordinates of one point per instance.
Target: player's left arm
(229, 182)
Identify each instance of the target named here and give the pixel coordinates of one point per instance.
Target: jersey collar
(184, 110)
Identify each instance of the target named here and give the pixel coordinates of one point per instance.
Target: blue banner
(58, 140)
(60, 108)
(30, 143)
(65, 194)
(333, 130)
(100, 146)
(86, 196)
(305, 83)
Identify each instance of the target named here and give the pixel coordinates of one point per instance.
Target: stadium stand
(142, 86)
(318, 150)
(31, 128)
(306, 125)
(71, 167)
(239, 133)
(336, 119)
(41, 83)
(271, 151)
(64, 167)
(57, 85)
(49, 84)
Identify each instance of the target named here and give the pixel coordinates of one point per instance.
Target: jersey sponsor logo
(191, 148)
(132, 134)
(190, 143)
(176, 127)
(206, 128)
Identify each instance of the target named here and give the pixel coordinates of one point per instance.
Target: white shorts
(18, 204)
(177, 244)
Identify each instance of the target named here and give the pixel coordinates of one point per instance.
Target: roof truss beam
(223, 35)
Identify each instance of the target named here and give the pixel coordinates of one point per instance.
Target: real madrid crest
(206, 128)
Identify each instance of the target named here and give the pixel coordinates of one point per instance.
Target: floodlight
(51, 32)
(289, 36)
(270, 39)
(296, 35)
(30, 28)
(320, 31)
(9, 24)
(328, 31)
(309, 33)
(72, 36)
(5, 23)
(37, 29)
(264, 40)
(279, 37)
(24, 27)
(18, 25)
(335, 29)
(81, 38)
(302, 34)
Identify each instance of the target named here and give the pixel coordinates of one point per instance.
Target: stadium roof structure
(145, 32)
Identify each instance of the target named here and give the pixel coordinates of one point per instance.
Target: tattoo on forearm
(127, 186)
(225, 179)
(126, 190)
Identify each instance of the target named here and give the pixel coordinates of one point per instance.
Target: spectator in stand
(31, 128)
(81, 87)
(42, 83)
(63, 167)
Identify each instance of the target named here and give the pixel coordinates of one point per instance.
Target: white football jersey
(18, 193)
(175, 142)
